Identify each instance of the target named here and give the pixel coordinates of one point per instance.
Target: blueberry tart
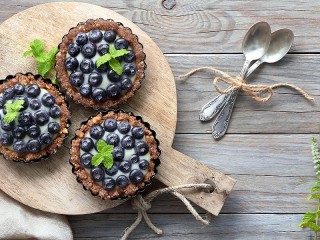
(114, 154)
(34, 118)
(100, 63)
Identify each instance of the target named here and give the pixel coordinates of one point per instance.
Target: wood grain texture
(156, 94)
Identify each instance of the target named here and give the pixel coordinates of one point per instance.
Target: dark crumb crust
(28, 79)
(101, 24)
(84, 177)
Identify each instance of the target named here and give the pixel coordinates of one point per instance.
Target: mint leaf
(97, 159)
(13, 109)
(308, 217)
(103, 59)
(315, 189)
(55, 81)
(112, 50)
(119, 53)
(26, 53)
(104, 155)
(101, 146)
(37, 47)
(108, 161)
(311, 225)
(43, 68)
(116, 66)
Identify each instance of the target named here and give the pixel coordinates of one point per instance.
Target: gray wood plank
(293, 113)
(217, 26)
(183, 226)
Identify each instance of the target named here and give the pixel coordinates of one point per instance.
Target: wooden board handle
(177, 168)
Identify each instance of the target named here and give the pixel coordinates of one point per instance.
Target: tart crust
(84, 177)
(121, 31)
(28, 79)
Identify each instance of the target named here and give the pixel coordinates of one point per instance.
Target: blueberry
(85, 160)
(8, 93)
(6, 139)
(142, 148)
(109, 36)
(85, 90)
(129, 69)
(86, 66)
(125, 166)
(19, 89)
(95, 35)
(103, 49)
(121, 43)
(33, 145)
(134, 158)
(34, 131)
(2, 101)
(129, 57)
(55, 111)
(118, 153)
(4, 110)
(86, 144)
(143, 164)
(99, 95)
(89, 50)
(108, 184)
(19, 132)
(113, 170)
(136, 176)
(41, 117)
(122, 181)
(81, 38)
(126, 84)
(47, 100)
(113, 91)
(103, 67)
(113, 76)
(97, 174)
(137, 132)
(113, 139)
(35, 104)
(95, 79)
(71, 63)
(127, 142)
(7, 126)
(33, 91)
(123, 127)
(25, 119)
(96, 132)
(25, 101)
(76, 79)
(19, 146)
(53, 127)
(110, 124)
(74, 49)
(46, 138)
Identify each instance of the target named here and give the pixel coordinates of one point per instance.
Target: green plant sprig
(45, 60)
(111, 58)
(311, 219)
(104, 155)
(13, 108)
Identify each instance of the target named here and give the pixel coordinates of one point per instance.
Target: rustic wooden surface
(267, 148)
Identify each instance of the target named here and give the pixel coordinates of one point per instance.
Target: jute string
(143, 204)
(238, 83)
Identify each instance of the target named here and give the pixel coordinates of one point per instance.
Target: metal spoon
(254, 45)
(281, 42)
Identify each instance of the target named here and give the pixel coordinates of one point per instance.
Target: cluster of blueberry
(83, 53)
(37, 122)
(123, 137)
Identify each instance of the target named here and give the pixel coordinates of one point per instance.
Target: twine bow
(238, 83)
(143, 204)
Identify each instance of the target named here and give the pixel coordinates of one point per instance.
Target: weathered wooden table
(267, 148)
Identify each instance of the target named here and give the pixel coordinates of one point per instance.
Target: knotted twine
(143, 204)
(238, 83)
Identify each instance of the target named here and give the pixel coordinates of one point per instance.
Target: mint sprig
(111, 59)
(13, 109)
(311, 219)
(45, 60)
(104, 155)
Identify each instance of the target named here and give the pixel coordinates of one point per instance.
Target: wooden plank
(293, 113)
(184, 227)
(217, 26)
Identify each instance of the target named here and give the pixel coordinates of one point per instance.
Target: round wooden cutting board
(50, 185)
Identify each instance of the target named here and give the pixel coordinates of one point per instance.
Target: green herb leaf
(43, 68)
(308, 217)
(104, 155)
(311, 225)
(103, 59)
(314, 196)
(55, 81)
(28, 52)
(116, 66)
(13, 109)
(118, 53)
(315, 189)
